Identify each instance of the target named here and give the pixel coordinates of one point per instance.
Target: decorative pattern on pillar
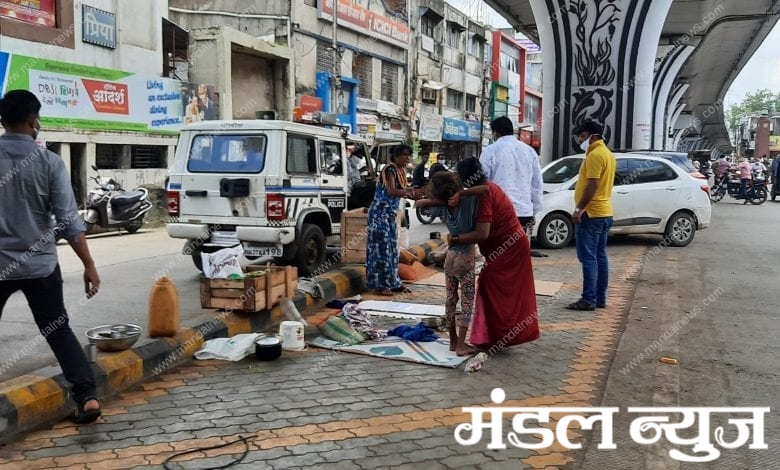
(668, 66)
(672, 120)
(599, 66)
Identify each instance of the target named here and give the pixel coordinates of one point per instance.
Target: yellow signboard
(774, 143)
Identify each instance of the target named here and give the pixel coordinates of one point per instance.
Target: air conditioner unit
(429, 95)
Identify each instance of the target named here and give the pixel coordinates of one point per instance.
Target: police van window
(330, 156)
(301, 154)
(227, 154)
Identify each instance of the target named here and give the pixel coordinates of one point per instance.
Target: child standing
(459, 266)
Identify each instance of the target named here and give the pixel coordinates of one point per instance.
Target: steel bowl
(112, 338)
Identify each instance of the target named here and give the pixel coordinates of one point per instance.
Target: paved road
(722, 291)
(127, 265)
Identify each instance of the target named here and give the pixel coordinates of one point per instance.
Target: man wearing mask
(593, 215)
(513, 165)
(39, 187)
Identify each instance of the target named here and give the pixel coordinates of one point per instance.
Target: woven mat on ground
(434, 353)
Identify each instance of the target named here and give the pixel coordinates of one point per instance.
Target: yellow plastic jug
(163, 309)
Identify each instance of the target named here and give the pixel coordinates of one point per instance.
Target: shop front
(429, 134)
(341, 102)
(460, 139)
(124, 123)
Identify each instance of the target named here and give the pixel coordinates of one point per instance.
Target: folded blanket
(419, 332)
(361, 321)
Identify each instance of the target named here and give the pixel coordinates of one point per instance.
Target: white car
(650, 195)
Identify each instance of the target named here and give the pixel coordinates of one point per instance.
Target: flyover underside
(724, 35)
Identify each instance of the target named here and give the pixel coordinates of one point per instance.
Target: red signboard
(358, 18)
(108, 97)
(40, 12)
(310, 104)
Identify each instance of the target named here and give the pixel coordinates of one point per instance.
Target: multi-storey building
(531, 127)
(507, 73)
(96, 67)
(118, 83)
(450, 81)
(293, 60)
(758, 135)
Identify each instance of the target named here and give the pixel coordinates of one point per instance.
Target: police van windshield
(227, 154)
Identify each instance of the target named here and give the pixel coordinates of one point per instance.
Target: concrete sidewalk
(43, 396)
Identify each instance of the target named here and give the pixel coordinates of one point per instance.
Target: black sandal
(83, 416)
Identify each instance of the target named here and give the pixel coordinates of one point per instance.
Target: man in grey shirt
(34, 185)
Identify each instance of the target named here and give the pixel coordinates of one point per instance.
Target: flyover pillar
(669, 64)
(599, 62)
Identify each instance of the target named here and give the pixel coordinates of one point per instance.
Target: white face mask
(585, 144)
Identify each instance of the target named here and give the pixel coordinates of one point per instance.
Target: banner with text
(361, 19)
(461, 131)
(84, 97)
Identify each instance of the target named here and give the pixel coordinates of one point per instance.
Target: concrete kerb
(43, 396)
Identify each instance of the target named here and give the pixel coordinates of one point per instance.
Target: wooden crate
(354, 234)
(250, 294)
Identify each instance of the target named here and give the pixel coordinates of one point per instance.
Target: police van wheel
(311, 250)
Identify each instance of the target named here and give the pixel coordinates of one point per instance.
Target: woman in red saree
(505, 311)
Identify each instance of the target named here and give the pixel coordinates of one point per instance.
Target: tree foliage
(754, 102)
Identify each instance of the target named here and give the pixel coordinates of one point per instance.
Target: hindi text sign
(98, 27)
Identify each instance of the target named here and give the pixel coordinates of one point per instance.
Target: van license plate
(253, 250)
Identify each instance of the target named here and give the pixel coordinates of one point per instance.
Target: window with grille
(428, 25)
(471, 103)
(475, 46)
(148, 156)
(453, 36)
(389, 82)
(108, 157)
(362, 68)
(324, 57)
(454, 99)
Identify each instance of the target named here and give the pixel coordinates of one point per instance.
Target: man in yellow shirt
(593, 215)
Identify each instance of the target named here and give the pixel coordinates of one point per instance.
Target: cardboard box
(250, 294)
(354, 233)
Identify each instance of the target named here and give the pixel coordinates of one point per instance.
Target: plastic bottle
(163, 309)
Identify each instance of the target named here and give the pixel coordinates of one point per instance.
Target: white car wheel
(555, 231)
(681, 229)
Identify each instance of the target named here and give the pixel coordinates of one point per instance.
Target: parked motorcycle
(756, 190)
(426, 215)
(109, 206)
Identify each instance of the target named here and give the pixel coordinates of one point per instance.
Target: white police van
(278, 188)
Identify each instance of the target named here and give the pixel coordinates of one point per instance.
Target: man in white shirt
(513, 165)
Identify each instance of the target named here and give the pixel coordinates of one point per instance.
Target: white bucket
(292, 335)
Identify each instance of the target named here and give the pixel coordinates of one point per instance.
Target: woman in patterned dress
(382, 244)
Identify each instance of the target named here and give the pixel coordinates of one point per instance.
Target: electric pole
(483, 103)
